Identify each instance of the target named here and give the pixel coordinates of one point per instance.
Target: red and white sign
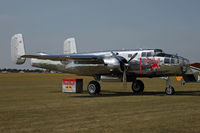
(72, 85)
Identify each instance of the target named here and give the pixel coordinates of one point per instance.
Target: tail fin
(17, 49)
(70, 46)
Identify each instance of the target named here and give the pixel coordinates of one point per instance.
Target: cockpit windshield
(157, 51)
(165, 55)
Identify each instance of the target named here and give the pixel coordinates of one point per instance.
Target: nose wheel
(93, 88)
(169, 89)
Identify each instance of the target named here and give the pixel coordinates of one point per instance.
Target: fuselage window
(166, 60)
(144, 54)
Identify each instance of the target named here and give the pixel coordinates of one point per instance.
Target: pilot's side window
(166, 60)
(144, 54)
(172, 61)
(149, 54)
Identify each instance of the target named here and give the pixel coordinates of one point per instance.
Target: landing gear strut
(169, 89)
(138, 86)
(94, 88)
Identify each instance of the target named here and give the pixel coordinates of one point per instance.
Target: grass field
(35, 103)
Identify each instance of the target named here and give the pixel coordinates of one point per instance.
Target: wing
(78, 57)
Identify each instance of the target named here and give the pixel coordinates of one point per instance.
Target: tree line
(20, 70)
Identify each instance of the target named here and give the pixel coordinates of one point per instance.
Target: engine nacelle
(112, 64)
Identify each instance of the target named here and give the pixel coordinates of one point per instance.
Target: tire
(170, 90)
(93, 88)
(138, 86)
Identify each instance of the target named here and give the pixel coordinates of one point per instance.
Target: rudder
(70, 46)
(17, 49)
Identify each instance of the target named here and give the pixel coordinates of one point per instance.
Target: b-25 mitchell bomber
(114, 65)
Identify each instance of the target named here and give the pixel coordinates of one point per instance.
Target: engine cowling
(112, 64)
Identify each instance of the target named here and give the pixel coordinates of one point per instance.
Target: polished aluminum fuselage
(151, 65)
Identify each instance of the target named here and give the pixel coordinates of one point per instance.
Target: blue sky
(172, 25)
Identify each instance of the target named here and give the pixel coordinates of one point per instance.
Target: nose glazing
(184, 64)
(183, 61)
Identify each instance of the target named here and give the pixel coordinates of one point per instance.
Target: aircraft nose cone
(183, 61)
(186, 61)
(185, 64)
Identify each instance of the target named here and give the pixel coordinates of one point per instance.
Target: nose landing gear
(169, 89)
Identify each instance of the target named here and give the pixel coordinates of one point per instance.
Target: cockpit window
(172, 61)
(165, 55)
(166, 60)
(149, 54)
(158, 50)
(144, 54)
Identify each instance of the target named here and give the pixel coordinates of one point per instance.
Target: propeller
(125, 65)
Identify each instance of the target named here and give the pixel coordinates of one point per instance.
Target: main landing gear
(138, 86)
(94, 87)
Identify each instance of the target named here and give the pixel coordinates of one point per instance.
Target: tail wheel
(138, 86)
(94, 88)
(169, 90)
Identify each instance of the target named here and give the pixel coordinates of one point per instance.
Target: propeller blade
(124, 79)
(124, 76)
(125, 66)
(132, 57)
(116, 57)
(125, 85)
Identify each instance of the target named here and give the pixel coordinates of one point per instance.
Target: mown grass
(35, 103)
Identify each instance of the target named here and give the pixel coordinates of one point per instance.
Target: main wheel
(138, 86)
(169, 90)
(94, 88)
